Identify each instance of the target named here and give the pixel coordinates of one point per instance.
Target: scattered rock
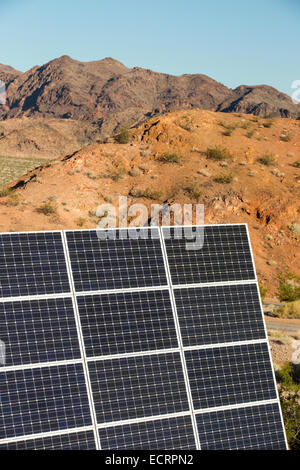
(291, 154)
(134, 172)
(224, 164)
(204, 173)
(252, 173)
(146, 153)
(243, 163)
(295, 228)
(271, 262)
(277, 173)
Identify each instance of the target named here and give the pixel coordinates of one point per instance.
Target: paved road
(288, 326)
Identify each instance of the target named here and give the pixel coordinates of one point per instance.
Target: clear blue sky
(234, 41)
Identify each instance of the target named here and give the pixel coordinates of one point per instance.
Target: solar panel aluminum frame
(84, 360)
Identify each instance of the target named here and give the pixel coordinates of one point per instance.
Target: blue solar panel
(170, 433)
(219, 314)
(41, 330)
(127, 322)
(84, 440)
(225, 256)
(139, 354)
(137, 387)
(115, 264)
(32, 264)
(224, 376)
(42, 400)
(251, 428)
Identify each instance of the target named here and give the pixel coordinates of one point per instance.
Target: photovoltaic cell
(167, 434)
(219, 314)
(32, 264)
(137, 387)
(38, 331)
(252, 428)
(83, 440)
(224, 376)
(42, 400)
(225, 256)
(115, 264)
(127, 322)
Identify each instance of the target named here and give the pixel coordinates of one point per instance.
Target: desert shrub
(224, 179)
(186, 123)
(169, 158)
(47, 208)
(118, 173)
(289, 287)
(297, 164)
(80, 221)
(217, 153)
(123, 136)
(5, 191)
(289, 393)
(245, 125)
(250, 134)
(268, 124)
(195, 192)
(263, 291)
(147, 193)
(268, 159)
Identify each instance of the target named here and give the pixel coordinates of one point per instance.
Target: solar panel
(127, 322)
(37, 331)
(219, 314)
(254, 427)
(32, 264)
(40, 400)
(225, 256)
(170, 433)
(115, 263)
(137, 387)
(120, 342)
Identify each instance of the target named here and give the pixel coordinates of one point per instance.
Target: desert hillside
(241, 167)
(110, 94)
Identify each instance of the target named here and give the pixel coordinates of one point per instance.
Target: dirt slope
(44, 138)
(265, 197)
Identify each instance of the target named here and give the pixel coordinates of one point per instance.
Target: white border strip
(81, 343)
(235, 406)
(42, 435)
(144, 420)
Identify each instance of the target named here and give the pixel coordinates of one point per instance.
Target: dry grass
(12, 168)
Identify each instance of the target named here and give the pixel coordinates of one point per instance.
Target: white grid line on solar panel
(182, 356)
(170, 433)
(46, 435)
(39, 365)
(81, 342)
(133, 354)
(255, 427)
(230, 375)
(124, 323)
(266, 332)
(35, 297)
(43, 400)
(219, 314)
(214, 284)
(114, 264)
(36, 331)
(32, 264)
(225, 256)
(135, 387)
